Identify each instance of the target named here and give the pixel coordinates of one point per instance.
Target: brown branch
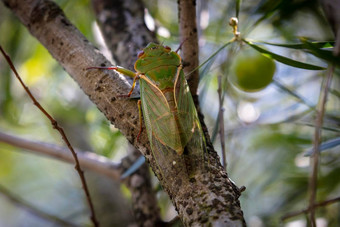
(55, 125)
(317, 139)
(221, 121)
(33, 210)
(87, 160)
(305, 211)
(188, 33)
(208, 190)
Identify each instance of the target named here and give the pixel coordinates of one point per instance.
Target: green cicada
(169, 112)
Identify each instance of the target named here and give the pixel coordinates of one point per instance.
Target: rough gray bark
(205, 199)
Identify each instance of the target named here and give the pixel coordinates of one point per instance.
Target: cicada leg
(123, 71)
(140, 119)
(180, 45)
(137, 77)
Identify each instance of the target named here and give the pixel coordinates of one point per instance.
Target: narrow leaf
(284, 60)
(325, 145)
(134, 167)
(313, 48)
(321, 44)
(213, 55)
(320, 53)
(238, 3)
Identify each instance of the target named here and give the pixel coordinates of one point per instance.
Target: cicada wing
(170, 164)
(159, 120)
(157, 117)
(189, 121)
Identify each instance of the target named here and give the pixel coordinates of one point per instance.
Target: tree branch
(316, 142)
(207, 198)
(305, 211)
(88, 160)
(188, 32)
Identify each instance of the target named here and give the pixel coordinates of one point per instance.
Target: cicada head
(154, 50)
(154, 56)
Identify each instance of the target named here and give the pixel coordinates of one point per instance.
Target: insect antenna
(180, 45)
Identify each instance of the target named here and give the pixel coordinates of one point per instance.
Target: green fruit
(252, 71)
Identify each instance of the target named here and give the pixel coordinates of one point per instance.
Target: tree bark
(188, 31)
(209, 198)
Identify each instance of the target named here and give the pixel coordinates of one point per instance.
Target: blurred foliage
(267, 132)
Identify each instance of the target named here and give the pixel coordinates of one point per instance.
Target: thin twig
(316, 143)
(88, 160)
(63, 135)
(33, 210)
(304, 211)
(221, 121)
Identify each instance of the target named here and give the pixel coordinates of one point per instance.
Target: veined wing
(188, 121)
(159, 120)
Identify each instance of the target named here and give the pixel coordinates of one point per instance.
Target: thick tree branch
(208, 197)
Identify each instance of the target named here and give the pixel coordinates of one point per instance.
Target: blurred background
(267, 133)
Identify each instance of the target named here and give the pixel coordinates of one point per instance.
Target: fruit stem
(233, 22)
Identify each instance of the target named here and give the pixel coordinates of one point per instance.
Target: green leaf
(282, 59)
(312, 47)
(134, 167)
(212, 56)
(321, 44)
(238, 3)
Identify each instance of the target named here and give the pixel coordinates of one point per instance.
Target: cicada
(168, 109)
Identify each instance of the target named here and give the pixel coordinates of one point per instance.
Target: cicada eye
(168, 49)
(140, 54)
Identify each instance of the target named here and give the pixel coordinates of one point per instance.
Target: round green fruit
(252, 71)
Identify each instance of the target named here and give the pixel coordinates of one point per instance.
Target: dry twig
(88, 160)
(221, 121)
(55, 125)
(305, 211)
(316, 143)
